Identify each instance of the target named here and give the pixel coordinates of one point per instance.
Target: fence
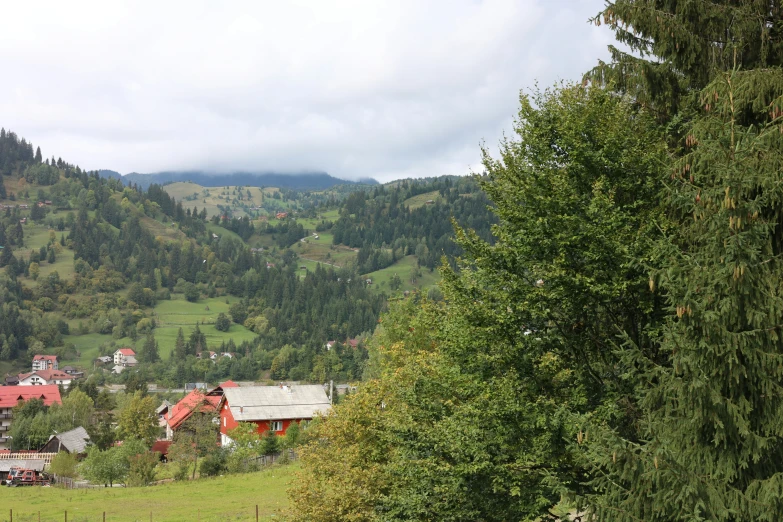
(46, 457)
(36, 516)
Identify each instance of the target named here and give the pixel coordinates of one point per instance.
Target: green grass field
(171, 316)
(192, 194)
(231, 497)
(404, 268)
(421, 200)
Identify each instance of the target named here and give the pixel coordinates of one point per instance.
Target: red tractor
(27, 477)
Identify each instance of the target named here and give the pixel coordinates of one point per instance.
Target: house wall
(5, 427)
(227, 423)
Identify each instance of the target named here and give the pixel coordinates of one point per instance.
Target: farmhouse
(125, 357)
(10, 396)
(270, 408)
(195, 401)
(45, 362)
(74, 441)
(44, 377)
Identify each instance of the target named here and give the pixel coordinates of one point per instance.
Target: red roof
(126, 351)
(228, 384)
(161, 446)
(11, 395)
(194, 400)
(48, 375)
(45, 358)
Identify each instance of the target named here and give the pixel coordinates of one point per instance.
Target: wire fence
(26, 516)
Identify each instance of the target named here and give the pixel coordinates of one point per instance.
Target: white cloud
(355, 88)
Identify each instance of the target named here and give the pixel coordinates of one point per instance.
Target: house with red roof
(197, 401)
(125, 357)
(45, 362)
(45, 377)
(10, 396)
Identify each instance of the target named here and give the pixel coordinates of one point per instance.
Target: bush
(142, 468)
(213, 464)
(191, 292)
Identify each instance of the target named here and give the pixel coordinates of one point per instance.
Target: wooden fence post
(12, 515)
(66, 516)
(256, 512)
(104, 516)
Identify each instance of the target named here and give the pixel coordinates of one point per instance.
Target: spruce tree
(710, 408)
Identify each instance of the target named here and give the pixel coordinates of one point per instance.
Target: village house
(10, 396)
(270, 408)
(198, 400)
(45, 362)
(44, 377)
(125, 357)
(329, 345)
(281, 215)
(73, 372)
(74, 441)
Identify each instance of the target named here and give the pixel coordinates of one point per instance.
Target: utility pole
(331, 392)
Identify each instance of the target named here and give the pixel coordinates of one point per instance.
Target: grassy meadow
(230, 497)
(403, 268)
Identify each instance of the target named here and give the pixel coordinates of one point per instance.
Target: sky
(364, 88)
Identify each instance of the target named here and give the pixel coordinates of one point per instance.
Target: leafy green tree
(222, 323)
(238, 312)
(64, 465)
(196, 438)
(77, 409)
(138, 420)
(141, 468)
(191, 292)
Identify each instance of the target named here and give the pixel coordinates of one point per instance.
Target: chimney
(241, 409)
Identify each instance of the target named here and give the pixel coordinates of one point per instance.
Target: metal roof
(7, 464)
(75, 440)
(253, 403)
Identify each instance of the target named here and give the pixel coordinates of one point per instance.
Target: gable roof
(45, 358)
(258, 403)
(193, 401)
(126, 351)
(47, 375)
(75, 440)
(11, 395)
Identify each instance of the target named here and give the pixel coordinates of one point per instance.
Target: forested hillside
(613, 353)
(90, 265)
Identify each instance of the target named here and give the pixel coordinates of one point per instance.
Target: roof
(164, 406)
(126, 351)
(7, 464)
(161, 446)
(228, 384)
(253, 403)
(11, 395)
(195, 400)
(45, 358)
(47, 375)
(75, 440)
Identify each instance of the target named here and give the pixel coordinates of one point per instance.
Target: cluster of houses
(19, 206)
(269, 408)
(45, 371)
(350, 343)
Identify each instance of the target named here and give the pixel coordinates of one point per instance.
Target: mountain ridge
(300, 180)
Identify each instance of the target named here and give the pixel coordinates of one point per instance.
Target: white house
(45, 362)
(125, 357)
(44, 377)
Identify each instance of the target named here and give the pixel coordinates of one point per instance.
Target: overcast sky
(356, 88)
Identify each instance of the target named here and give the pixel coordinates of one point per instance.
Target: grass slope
(231, 497)
(192, 194)
(421, 200)
(404, 268)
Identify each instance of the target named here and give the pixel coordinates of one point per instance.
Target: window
(276, 425)
(224, 422)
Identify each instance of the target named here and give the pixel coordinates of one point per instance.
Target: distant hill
(301, 181)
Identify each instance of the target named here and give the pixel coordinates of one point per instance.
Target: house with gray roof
(270, 408)
(73, 441)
